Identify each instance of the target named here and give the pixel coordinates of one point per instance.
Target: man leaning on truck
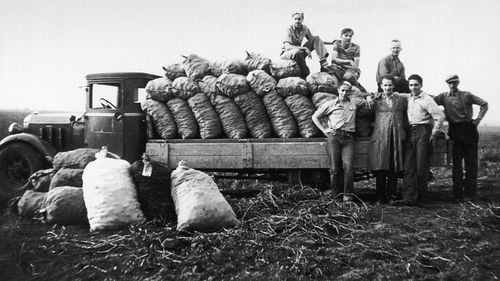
(341, 115)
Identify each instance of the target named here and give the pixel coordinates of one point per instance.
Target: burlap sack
(284, 68)
(322, 82)
(232, 85)
(284, 124)
(65, 206)
(206, 116)
(152, 181)
(319, 98)
(261, 82)
(40, 180)
(185, 88)
(254, 111)
(302, 109)
(30, 203)
(67, 177)
(187, 126)
(198, 202)
(196, 67)
(173, 71)
(233, 122)
(292, 86)
(158, 89)
(225, 66)
(255, 61)
(208, 85)
(110, 195)
(163, 120)
(76, 159)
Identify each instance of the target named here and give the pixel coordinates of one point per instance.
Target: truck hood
(50, 118)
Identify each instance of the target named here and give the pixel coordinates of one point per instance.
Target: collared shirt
(422, 109)
(352, 52)
(341, 114)
(295, 36)
(388, 99)
(458, 106)
(390, 65)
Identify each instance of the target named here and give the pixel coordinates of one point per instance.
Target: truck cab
(112, 118)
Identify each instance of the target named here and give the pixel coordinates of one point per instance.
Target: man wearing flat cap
(294, 50)
(341, 114)
(463, 131)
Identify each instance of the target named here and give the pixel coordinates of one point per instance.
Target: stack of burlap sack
(109, 193)
(234, 98)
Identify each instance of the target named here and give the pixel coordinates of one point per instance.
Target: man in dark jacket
(463, 131)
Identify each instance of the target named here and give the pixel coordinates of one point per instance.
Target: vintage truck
(113, 118)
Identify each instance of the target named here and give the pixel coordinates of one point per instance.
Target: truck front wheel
(18, 161)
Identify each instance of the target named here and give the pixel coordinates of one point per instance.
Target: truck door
(104, 117)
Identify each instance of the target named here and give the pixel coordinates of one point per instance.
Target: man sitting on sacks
(345, 57)
(293, 49)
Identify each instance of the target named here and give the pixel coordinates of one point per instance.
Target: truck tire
(18, 161)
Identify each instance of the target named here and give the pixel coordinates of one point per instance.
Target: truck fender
(42, 146)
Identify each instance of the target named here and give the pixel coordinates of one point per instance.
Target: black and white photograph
(249, 140)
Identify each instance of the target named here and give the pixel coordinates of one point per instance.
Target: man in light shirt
(463, 131)
(294, 50)
(341, 115)
(426, 121)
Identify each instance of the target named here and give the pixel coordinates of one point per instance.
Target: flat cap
(452, 78)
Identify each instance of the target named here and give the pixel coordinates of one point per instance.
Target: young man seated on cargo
(341, 114)
(294, 50)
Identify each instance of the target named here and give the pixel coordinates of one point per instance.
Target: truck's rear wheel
(18, 161)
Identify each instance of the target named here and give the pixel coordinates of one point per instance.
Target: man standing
(341, 115)
(463, 131)
(391, 65)
(345, 57)
(386, 147)
(293, 49)
(426, 120)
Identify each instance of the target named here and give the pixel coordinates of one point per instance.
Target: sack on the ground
(158, 89)
(255, 61)
(206, 116)
(284, 68)
(196, 67)
(292, 86)
(76, 159)
(110, 195)
(163, 120)
(198, 202)
(232, 85)
(30, 203)
(322, 82)
(320, 98)
(282, 120)
(254, 111)
(208, 85)
(67, 177)
(152, 181)
(173, 71)
(187, 126)
(185, 87)
(65, 206)
(40, 180)
(261, 82)
(235, 66)
(302, 109)
(233, 122)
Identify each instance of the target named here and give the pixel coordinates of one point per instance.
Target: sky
(48, 46)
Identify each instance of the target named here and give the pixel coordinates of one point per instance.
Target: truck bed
(262, 154)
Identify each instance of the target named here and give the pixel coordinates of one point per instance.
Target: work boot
(323, 65)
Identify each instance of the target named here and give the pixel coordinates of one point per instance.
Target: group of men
(406, 121)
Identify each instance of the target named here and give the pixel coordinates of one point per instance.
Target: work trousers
(386, 181)
(299, 56)
(416, 167)
(465, 153)
(340, 148)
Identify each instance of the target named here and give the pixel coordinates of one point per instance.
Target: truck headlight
(15, 128)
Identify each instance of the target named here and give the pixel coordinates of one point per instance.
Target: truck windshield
(104, 96)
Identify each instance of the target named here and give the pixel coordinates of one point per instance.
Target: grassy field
(286, 233)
